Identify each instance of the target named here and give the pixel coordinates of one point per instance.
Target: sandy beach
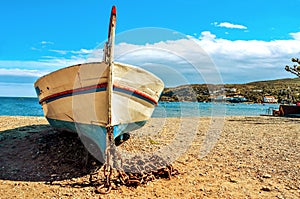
(253, 157)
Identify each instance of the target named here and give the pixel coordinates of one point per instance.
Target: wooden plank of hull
(70, 78)
(83, 108)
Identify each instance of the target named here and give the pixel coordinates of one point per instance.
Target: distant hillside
(281, 89)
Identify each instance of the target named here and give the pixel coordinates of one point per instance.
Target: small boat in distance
(99, 98)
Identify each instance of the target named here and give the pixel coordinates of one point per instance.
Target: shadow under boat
(42, 153)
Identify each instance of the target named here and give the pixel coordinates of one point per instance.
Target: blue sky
(244, 40)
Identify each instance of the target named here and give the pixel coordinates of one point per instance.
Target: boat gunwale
(115, 63)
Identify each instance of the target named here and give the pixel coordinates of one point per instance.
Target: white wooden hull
(79, 94)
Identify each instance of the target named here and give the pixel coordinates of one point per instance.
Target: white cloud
(295, 35)
(62, 52)
(77, 52)
(41, 45)
(251, 60)
(34, 48)
(46, 42)
(82, 51)
(242, 49)
(229, 25)
(22, 72)
(206, 35)
(48, 63)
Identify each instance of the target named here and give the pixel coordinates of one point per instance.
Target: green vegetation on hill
(281, 89)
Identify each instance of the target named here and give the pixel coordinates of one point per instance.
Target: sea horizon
(29, 106)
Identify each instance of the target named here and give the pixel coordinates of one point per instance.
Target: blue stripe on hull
(93, 90)
(130, 93)
(92, 135)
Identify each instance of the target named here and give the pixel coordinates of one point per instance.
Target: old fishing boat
(99, 99)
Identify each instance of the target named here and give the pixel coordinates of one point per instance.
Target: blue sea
(23, 106)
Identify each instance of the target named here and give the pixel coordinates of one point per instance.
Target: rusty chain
(141, 172)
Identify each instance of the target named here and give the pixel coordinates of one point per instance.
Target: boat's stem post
(110, 51)
(110, 148)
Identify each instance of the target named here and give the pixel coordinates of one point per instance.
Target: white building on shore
(270, 99)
